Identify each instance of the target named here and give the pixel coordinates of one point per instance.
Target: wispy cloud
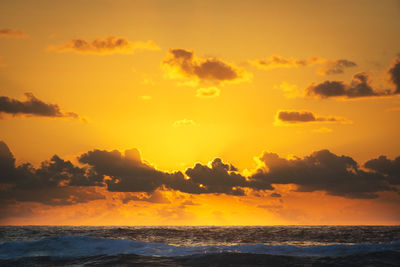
(12, 33)
(104, 46)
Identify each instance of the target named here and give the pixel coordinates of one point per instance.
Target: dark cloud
(322, 170)
(389, 168)
(359, 86)
(55, 182)
(394, 72)
(275, 195)
(183, 63)
(60, 182)
(107, 45)
(293, 117)
(220, 178)
(12, 33)
(32, 106)
(127, 172)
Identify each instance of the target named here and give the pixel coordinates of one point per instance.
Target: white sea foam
(82, 246)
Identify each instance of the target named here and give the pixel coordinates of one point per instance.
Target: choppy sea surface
(200, 246)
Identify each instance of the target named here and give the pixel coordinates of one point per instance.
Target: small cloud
(208, 92)
(289, 90)
(184, 123)
(12, 33)
(104, 46)
(145, 97)
(275, 195)
(323, 130)
(291, 117)
(183, 64)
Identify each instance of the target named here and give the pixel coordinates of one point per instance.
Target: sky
(199, 112)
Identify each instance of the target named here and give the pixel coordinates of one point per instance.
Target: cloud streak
(328, 67)
(104, 46)
(302, 116)
(32, 107)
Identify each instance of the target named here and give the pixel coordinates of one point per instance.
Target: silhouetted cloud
(12, 33)
(55, 182)
(220, 178)
(295, 117)
(389, 168)
(322, 170)
(127, 172)
(359, 86)
(60, 182)
(101, 46)
(32, 106)
(208, 92)
(181, 63)
(328, 67)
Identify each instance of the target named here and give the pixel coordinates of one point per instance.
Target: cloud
(359, 86)
(289, 90)
(296, 117)
(335, 66)
(327, 66)
(126, 171)
(32, 106)
(184, 123)
(389, 168)
(394, 72)
(219, 178)
(322, 170)
(103, 46)
(277, 61)
(181, 63)
(208, 92)
(12, 33)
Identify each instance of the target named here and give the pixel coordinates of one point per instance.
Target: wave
(85, 246)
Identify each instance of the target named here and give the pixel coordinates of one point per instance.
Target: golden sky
(199, 112)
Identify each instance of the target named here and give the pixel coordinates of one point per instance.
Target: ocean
(200, 246)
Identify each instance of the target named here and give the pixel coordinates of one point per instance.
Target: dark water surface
(200, 246)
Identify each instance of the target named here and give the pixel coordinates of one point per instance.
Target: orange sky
(301, 97)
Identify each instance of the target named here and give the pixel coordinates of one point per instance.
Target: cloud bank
(60, 182)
